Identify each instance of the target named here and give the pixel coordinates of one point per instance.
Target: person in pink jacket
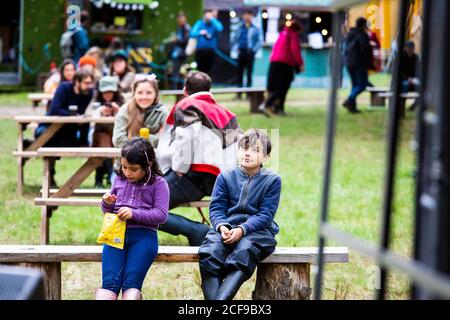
(285, 61)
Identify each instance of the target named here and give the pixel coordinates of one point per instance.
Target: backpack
(67, 44)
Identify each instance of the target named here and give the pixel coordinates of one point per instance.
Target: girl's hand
(224, 232)
(109, 198)
(125, 213)
(235, 235)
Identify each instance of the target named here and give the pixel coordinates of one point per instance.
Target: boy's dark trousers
(233, 264)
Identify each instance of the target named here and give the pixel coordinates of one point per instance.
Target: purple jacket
(149, 203)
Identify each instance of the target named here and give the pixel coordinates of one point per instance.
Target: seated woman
(143, 111)
(121, 68)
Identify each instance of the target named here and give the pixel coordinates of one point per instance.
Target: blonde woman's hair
(135, 113)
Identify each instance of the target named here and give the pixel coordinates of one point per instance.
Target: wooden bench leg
(282, 281)
(20, 163)
(376, 100)
(256, 98)
(45, 210)
(52, 277)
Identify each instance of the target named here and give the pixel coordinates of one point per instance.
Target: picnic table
(256, 95)
(56, 122)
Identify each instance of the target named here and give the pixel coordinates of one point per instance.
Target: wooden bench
(55, 123)
(375, 99)
(284, 275)
(403, 98)
(38, 97)
(52, 198)
(256, 94)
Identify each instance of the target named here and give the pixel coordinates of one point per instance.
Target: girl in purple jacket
(140, 196)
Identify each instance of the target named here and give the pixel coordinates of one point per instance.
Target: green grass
(355, 203)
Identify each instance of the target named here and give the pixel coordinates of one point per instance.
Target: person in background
(247, 41)
(285, 61)
(410, 71)
(115, 45)
(100, 65)
(81, 37)
(65, 72)
(178, 55)
(357, 59)
(199, 140)
(139, 196)
(105, 104)
(77, 93)
(206, 30)
(243, 206)
(90, 63)
(121, 69)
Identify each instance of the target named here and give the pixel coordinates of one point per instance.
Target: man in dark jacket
(357, 59)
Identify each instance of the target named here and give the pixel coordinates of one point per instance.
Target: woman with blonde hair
(143, 111)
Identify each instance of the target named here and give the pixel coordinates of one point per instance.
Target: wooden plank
(378, 89)
(45, 211)
(57, 253)
(40, 96)
(79, 152)
(25, 154)
(63, 119)
(84, 192)
(78, 177)
(97, 202)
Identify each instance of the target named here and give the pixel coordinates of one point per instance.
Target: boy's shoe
(266, 111)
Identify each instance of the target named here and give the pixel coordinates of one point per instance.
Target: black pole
(392, 143)
(338, 18)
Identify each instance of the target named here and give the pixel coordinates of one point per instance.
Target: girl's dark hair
(139, 151)
(63, 65)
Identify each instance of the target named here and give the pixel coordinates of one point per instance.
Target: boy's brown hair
(251, 138)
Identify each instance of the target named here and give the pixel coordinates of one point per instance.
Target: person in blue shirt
(81, 38)
(247, 41)
(206, 30)
(243, 205)
(79, 93)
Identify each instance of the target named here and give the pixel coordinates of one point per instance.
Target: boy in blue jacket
(243, 205)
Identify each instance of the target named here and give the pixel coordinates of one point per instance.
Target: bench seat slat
(79, 152)
(97, 202)
(70, 253)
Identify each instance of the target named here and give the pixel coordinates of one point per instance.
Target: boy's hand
(125, 213)
(109, 198)
(235, 235)
(224, 232)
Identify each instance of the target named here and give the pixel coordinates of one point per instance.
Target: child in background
(243, 205)
(139, 195)
(106, 104)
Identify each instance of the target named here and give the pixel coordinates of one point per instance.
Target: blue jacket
(81, 43)
(248, 202)
(209, 40)
(254, 40)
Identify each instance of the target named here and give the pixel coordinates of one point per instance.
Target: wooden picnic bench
(284, 275)
(375, 99)
(403, 98)
(256, 95)
(52, 198)
(55, 123)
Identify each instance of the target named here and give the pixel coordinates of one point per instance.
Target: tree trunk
(276, 281)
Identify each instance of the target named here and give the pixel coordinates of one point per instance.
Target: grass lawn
(356, 198)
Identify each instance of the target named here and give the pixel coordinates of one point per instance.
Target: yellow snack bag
(113, 231)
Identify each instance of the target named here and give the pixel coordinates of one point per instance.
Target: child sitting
(243, 205)
(139, 195)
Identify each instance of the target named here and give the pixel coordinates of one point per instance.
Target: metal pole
(392, 143)
(338, 18)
